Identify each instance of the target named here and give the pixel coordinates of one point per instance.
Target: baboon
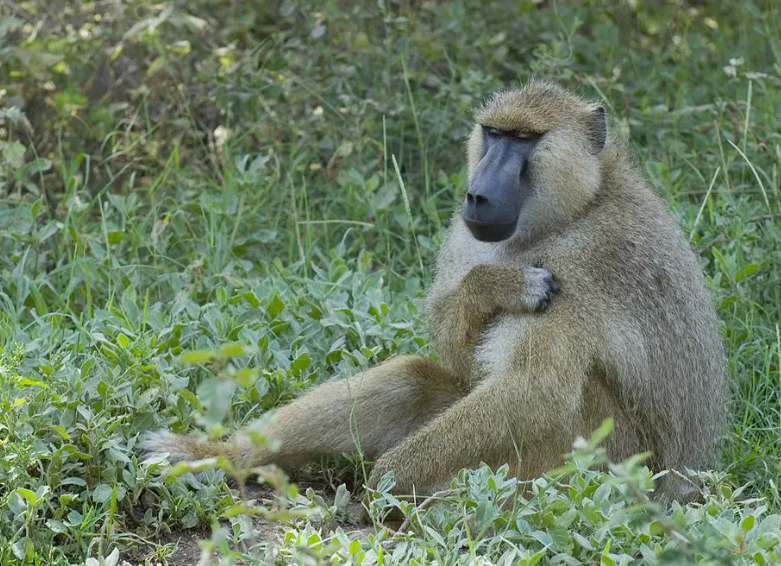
(564, 294)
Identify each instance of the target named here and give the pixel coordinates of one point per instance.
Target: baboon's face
(500, 184)
(533, 159)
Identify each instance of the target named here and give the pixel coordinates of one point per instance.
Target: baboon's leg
(372, 411)
(529, 412)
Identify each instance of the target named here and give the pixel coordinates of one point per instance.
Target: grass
(181, 177)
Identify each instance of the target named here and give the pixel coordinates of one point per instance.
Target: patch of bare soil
(188, 552)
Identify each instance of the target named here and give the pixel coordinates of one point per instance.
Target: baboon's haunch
(630, 334)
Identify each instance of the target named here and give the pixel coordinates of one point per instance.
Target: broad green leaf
(101, 493)
(275, 307)
(232, 350)
(27, 494)
(747, 523)
(245, 377)
(59, 429)
(300, 364)
(27, 382)
(196, 356)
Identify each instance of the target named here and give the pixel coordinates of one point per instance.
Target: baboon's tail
(184, 448)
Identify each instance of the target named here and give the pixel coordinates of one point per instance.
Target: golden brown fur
(630, 335)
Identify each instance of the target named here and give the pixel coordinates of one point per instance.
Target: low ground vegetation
(208, 207)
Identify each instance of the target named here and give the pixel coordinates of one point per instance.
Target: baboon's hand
(539, 286)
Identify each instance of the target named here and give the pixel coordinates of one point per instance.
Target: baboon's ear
(598, 129)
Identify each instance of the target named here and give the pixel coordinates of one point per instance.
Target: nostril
(475, 199)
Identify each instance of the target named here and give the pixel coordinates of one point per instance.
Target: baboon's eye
(517, 134)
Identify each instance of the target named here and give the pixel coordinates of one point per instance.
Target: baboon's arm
(495, 423)
(459, 317)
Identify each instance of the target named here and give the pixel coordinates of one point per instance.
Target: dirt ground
(188, 552)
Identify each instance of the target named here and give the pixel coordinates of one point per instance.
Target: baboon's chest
(501, 346)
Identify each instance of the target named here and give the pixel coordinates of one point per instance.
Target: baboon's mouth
(490, 231)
